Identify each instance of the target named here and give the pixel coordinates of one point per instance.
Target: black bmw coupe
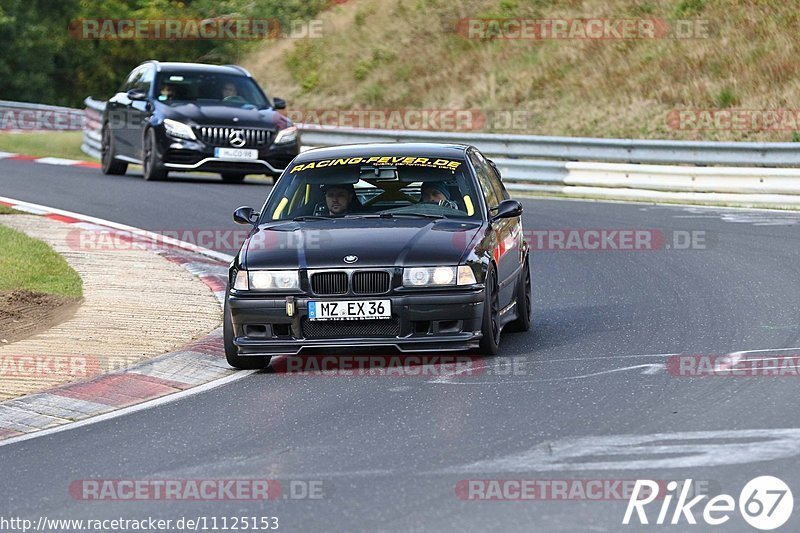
(413, 247)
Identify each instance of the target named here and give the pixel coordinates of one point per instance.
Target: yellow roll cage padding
(277, 214)
(468, 204)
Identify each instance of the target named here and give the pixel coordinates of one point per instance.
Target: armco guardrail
(606, 168)
(92, 142)
(25, 116)
(579, 148)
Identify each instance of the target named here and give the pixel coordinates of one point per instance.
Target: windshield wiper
(414, 215)
(310, 217)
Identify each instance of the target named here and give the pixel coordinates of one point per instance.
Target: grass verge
(30, 264)
(65, 144)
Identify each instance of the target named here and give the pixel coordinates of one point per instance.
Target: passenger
(436, 192)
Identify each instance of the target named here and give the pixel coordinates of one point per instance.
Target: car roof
(439, 150)
(199, 67)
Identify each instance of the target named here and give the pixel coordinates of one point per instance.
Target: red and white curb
(48, 160)
(195, 365)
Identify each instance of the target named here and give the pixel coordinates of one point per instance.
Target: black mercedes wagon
(194, 117)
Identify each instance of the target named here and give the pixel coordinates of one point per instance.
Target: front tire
(490, 342)
(153, 169)
(109, 164)
(232, 177)
(232, 352)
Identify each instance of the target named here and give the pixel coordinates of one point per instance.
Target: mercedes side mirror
(137, 95)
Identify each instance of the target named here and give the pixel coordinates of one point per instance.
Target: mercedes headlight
(179, 130)
(286, 135)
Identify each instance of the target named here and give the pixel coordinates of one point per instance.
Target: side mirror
(137, 95)
(278, 103)
(508, 209)
(245, 215)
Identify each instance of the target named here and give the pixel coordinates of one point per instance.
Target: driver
(229, 90)
(435, 192)
(168, 91)
(340, 198)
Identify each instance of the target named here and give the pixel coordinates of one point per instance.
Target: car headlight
(286, 135)
(266, 280)
(179, 130)
(440, 276)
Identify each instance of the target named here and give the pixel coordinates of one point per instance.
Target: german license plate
(236, 154)
(349, 310)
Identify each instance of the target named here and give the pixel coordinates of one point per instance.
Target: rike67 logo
(765, 503)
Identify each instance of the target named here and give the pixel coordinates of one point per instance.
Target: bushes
(41, 61)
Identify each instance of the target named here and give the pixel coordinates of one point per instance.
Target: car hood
(375, 242)
(222, 115)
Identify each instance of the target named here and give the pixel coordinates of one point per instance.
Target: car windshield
(378, 186)
(210, 88)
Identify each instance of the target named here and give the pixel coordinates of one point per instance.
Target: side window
(144, 81)
(485, 179)
(128, 85)
(499, 188)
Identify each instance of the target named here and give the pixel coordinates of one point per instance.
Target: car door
(116, 115)
(138, 111)
(500, 233)
(512, 244)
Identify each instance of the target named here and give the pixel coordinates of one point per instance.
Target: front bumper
(180, 154)
(441, 322)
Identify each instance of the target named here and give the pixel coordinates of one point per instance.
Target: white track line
(653, 203)
(148, 404)
(155, 236)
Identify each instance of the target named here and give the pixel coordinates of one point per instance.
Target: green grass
(5, 210)
(411, 54)
(30, 264)
(66, 144)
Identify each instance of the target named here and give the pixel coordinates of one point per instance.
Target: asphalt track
(389, 452)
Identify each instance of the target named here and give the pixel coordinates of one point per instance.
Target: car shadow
(205, 179)
(386, 363)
